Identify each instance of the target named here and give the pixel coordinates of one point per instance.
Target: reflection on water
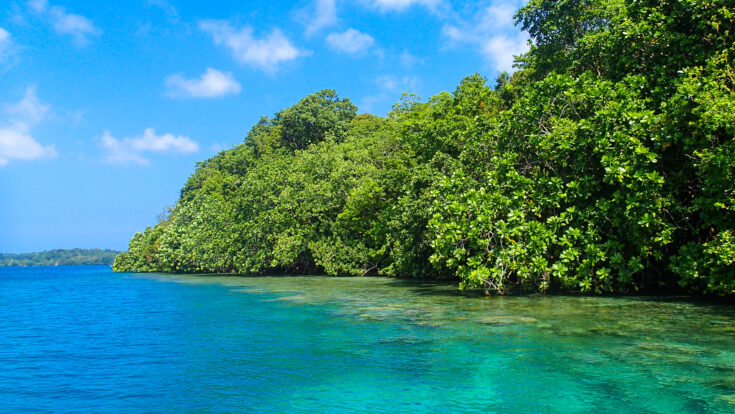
(87, 339)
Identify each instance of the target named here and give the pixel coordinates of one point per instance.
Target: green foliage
(605, 164)
(315, 116)
(60, 257)
(576, 199)
(705, 99)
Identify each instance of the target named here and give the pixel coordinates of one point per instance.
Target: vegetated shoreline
(666, 293)
(605, 164)
(59, 257)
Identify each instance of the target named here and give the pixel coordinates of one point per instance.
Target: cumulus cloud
(265, 53)
(16, 141)
(212, 84)
(501, 50)
(319, 15)
(492, 34)
(78, 27)
(130, 150)
(29, 110)
(350, 41)
(400, 5)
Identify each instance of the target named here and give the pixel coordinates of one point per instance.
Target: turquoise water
(86, 339)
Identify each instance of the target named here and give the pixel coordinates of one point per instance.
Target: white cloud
(78, 27)
(16, 141)
(5, 44)
(29, 110)
(350, 41)
(400, 5)
(321, 14)
(501, 50)
(492, 33)
(265, 53)
(129, 150)
(501, 15)
(212, 84)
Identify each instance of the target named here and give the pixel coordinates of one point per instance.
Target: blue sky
(105, 107)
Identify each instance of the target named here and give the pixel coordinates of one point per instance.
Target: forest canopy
(605, 163)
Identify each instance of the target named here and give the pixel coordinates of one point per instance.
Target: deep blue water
(85, 339)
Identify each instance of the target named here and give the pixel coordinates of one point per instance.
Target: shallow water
(86, 339)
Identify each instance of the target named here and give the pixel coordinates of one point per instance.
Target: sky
(106, 107)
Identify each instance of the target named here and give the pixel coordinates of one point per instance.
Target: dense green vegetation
(606, 163)
(60, 257)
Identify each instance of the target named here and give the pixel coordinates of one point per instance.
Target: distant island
(60, 257)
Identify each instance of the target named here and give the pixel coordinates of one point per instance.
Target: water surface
(86, 339)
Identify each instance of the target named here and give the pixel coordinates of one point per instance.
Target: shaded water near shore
(87, 339)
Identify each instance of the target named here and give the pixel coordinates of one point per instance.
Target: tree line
(605, 163)
(60, 257)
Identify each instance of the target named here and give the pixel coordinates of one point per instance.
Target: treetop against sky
(106, 107)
